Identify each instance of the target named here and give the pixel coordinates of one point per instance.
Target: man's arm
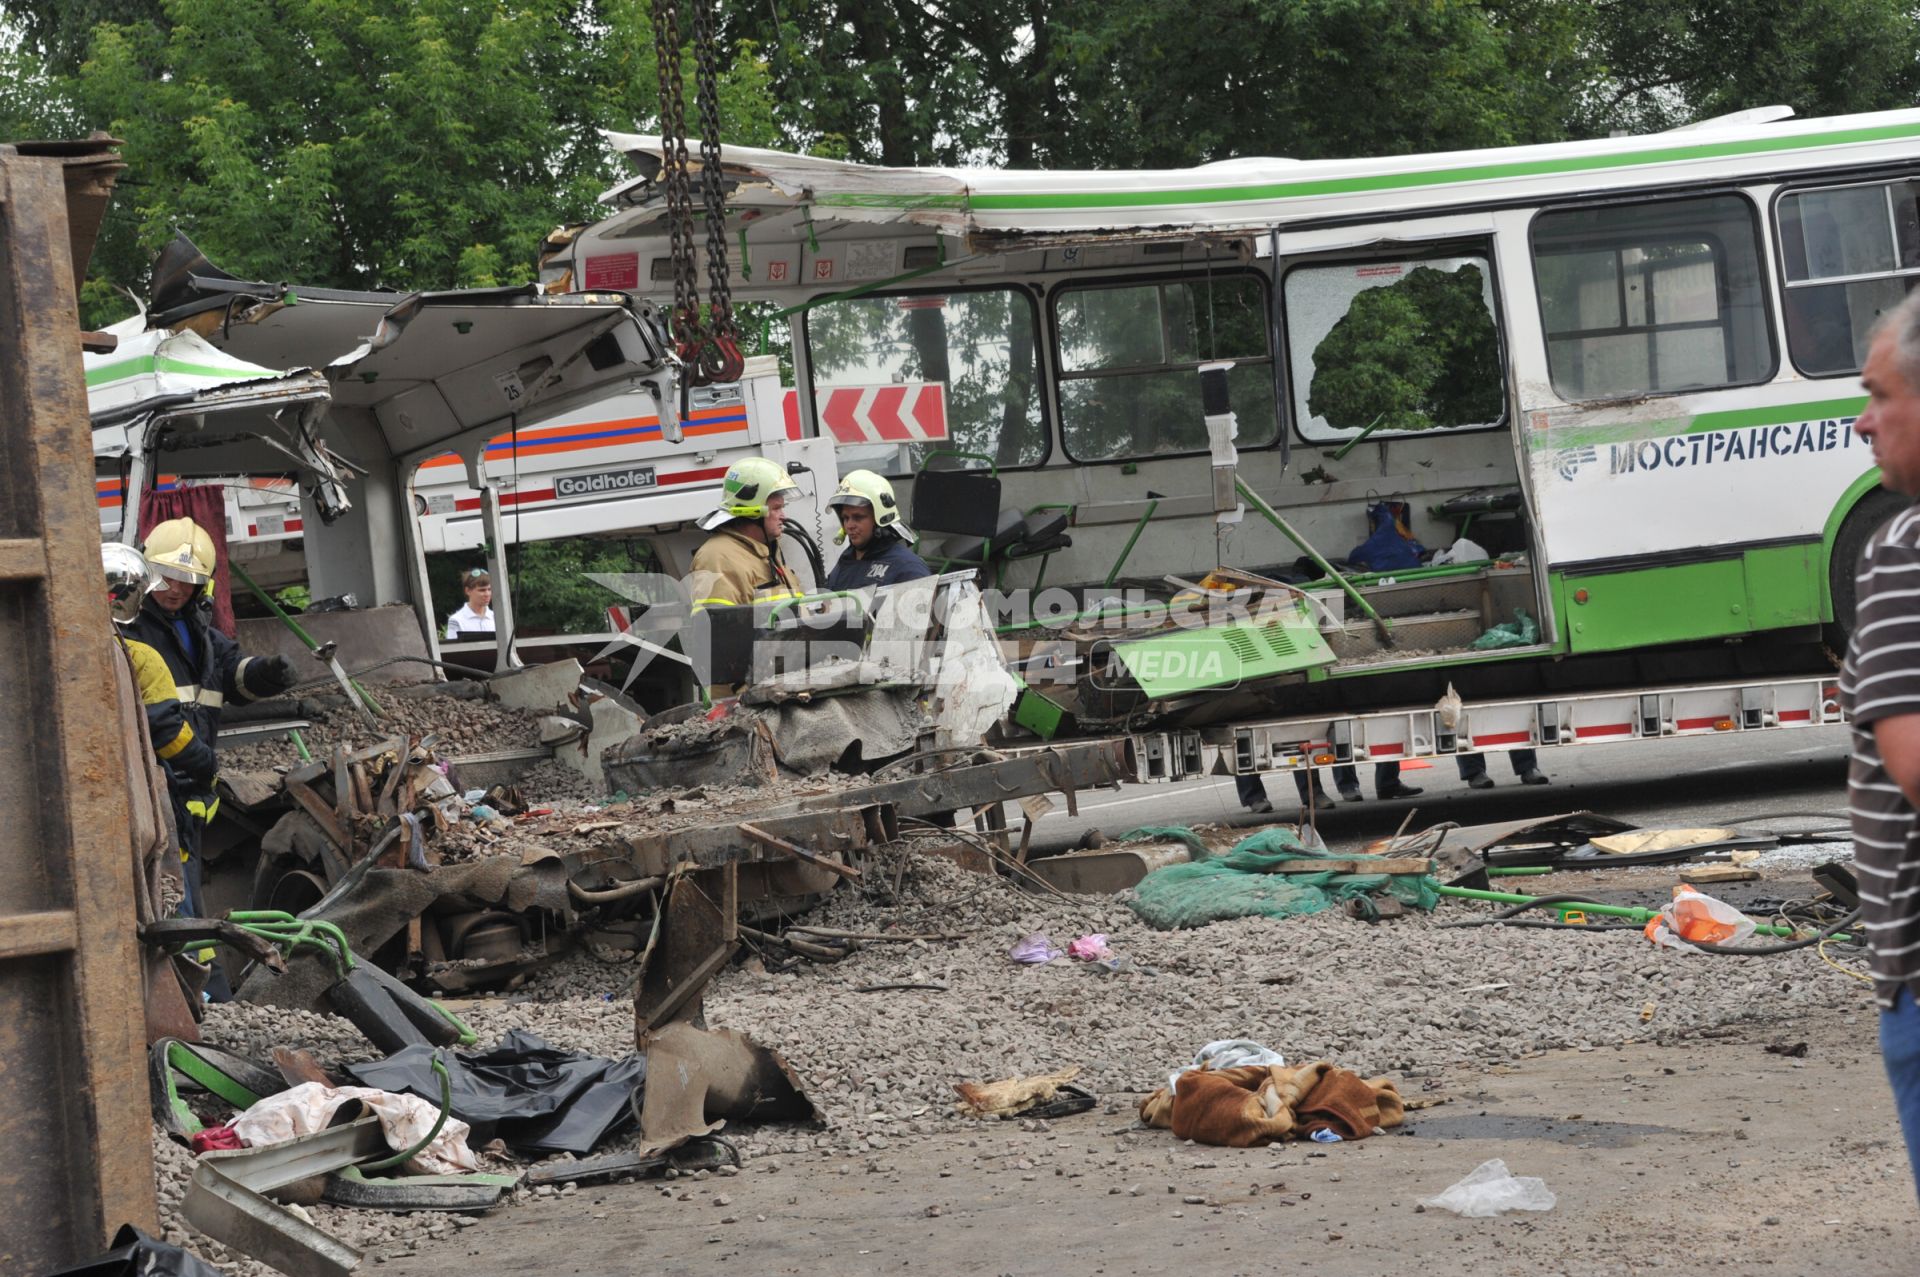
(1898, 739)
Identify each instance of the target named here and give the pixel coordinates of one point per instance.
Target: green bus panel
(1762, 589)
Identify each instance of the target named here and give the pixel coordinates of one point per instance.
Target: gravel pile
(464, 726)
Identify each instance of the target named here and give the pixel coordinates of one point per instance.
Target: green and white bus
(1626, 368)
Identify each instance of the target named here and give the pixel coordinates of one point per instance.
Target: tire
(1867, 517)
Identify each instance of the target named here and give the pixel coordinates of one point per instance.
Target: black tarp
(535, 1097)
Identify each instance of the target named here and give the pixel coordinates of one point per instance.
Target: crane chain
(684, 322)
(720, 358)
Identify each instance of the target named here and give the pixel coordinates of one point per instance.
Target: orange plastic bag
(1693, 917)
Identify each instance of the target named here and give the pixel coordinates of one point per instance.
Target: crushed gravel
(1405, 996)
(465, 726)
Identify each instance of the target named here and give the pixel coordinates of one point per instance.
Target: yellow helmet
(181, 550)
(751, 482)
(865, 488)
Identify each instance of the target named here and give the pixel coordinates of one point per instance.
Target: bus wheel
(1865, 519)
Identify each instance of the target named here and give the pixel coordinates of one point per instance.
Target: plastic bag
(1522, 631)
(1033, 949)
(1461, 551)
(1693, 917)
(1491, 1189)
(1090, 948)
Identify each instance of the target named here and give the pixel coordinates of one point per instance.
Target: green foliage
(1415, 354)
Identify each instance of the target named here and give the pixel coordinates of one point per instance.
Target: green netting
(1170, 833)
(1239, 884)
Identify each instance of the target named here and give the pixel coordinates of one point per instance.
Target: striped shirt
(1881, 679)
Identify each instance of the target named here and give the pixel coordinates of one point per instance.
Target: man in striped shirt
(1880, 687)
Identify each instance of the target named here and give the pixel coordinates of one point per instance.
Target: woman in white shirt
(475, 619)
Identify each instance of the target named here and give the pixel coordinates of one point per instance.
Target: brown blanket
(1257, 1104)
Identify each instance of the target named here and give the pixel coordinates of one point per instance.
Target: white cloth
(467, 621)
(404, 1119)
(1228, 1053)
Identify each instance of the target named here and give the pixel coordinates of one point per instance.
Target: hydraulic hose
(1631, 913)
(812, 549)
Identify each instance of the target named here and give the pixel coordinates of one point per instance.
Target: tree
(1659, 63)
(1416, 354)
(430, 143)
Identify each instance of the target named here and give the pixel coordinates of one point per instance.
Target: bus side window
(977, 343)
(1848, 255)
(1652, 298)
(1401, 346)
(1127, 359)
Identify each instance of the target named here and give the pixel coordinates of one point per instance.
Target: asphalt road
(1694, 781)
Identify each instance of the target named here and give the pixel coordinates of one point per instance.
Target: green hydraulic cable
(1127, 549)
(366, 697)
(1519, 871)
(1631, 913)
(746, 263)
(300, 743)
(1272, 516)
(1351, 444)
(289, 932)
(446, 1107)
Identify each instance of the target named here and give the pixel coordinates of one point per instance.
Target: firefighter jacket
(889, 560)
(732, 568)
(207, 668)
(175, 743)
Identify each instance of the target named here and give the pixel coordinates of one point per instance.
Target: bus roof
(1244, 195)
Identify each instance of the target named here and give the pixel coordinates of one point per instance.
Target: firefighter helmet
(129, 578)
(181, 550)
(865, 488)
(751, 482)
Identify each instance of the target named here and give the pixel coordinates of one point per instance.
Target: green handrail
(1127, 549)
(1381, 627)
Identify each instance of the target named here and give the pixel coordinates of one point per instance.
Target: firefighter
(206, 665)
(740, 561)
(189, 760)
(879, 546)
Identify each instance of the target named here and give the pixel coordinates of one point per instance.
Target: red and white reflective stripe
(1603, 729)
(910, 412)
(618, 616)
(1503, 738)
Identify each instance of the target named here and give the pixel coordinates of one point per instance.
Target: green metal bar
(1127, 549)
(1341, 453)
(1097, 614)
(1272, 516)
(366, 697)
(1631, 913)
(300, 743)
(1518, 871)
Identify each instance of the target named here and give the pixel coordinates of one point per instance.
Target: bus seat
(1016, 537)
(962, 503)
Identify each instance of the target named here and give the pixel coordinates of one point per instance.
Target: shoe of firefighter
(1351, 793)
(1482, 781)
(1402, 791)
(1260, 806)
(1533, 776)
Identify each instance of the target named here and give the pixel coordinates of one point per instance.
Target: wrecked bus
(1614, 379)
